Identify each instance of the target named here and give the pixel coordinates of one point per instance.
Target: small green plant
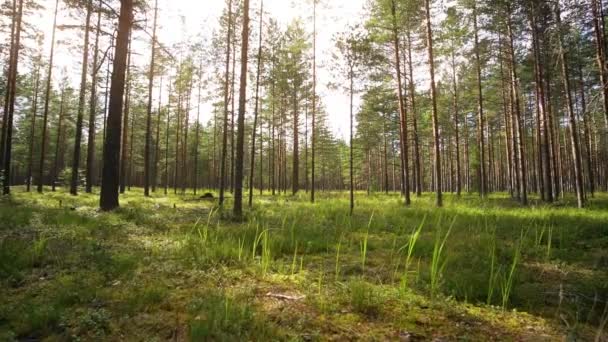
(38, 249)
(217, 317)
(549, 241)
(363, 298)
(294, 260)
(438, 262)
(363, 243)
(263, 240)
(241, 248)
(508, 278)
(414, 236)
(492, 277)
(338, 247)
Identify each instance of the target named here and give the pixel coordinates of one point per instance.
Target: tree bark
(93, 110)
(81, 102)
(574, 140)
(147, 147)
(238, 181)
(12, 89)
(257, 102)
(30, 157)
(58, 145)
(402, 110)
(480, 112)
(437, 168)
(225, 123)
(109, 185)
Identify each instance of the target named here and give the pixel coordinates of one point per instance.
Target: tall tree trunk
(105, 104)
(351, 148)
(456, 124)
(177, 138)
(147, 147)
(437, 168)
(600, 44)
(314, 100)
(544, 124)
(198, 126)
(417, 162)
(257, 103)
(109, 185)
(58, 144)
(81, 102)
(273, 157)
(295, 182)
(480, 114)
(166, 182)
(184, 168)
(225, 123)
(90, 171)
(232, 110)
(586, 132)
(574, 141)
(506, 116)
(12, 89)
(30, 156)
(157, 140)
(47, 100)
(7, 91)
(125, 125)
(402, 109)
(521, 160)
(238, 181)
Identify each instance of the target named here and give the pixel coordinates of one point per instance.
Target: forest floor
(176, 268)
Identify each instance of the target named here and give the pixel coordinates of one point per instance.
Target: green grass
(179, 268)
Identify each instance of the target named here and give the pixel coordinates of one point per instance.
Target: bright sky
(202, 15)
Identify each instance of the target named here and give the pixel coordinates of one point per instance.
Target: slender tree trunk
(273, 157)
(131, 163)
(456, 124)
(238, 182)
(402, 110)
(351, 147)
(90, 176)
(58, 145)
(314, 100)
(437, 168)
(30, 157)
(12, 89)
(574, 141)
(586, 132)
(257, 103)
(517, 116)
(506, 115)
(225, 123)
(480, 112)
(105, 103)
(184, 168)
(157, 140)
(295, 182)
(147, 148)
(7, 92)
(81, 102)
(166, 182)
(417, 163)
(232, 110)
(109, 186)
(600, 54)
(544, 126)
(125, 124)
(198, 126)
